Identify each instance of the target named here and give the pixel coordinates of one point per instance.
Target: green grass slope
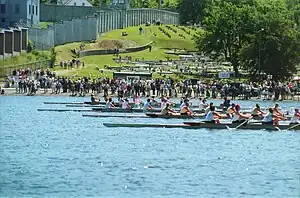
(150, 33)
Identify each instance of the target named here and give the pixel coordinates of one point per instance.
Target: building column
(17, 40)
(9, 42)
(24, 39)
(2, 44)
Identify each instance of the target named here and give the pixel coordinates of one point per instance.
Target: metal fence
(8, 70)
(88, 28)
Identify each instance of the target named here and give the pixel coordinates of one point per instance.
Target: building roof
(74, 2)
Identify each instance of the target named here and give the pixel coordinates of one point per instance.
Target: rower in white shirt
(183, 103)
(296, 117)
(163, 103)
(212, 116)
(109, 104)
(126, 105)
(202, 104)
(208, 108)
(147, 106)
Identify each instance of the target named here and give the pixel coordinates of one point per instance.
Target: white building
(19, 11)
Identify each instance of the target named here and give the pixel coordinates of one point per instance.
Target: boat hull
(257, 126)
(114, 116)
(173, 116)
(134, 110)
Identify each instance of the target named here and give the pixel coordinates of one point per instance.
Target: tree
(275, 48)
(191, 10)
(96, 3)
(227, 27)
(294, 7)
(53, 57)
(257, 35)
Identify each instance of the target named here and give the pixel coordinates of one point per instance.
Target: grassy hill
(114, 39)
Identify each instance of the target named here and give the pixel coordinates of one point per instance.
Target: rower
(239, 117)
(296, 117)
(226, 103)
(184, 102)
(231, 110)
(202, 104)
(256, 111)
(94, 99)
(163, 103)
(276, 110)
(212, 116)
(208, 108)
(167, 110)
(126, 105)
(185, 110)
(271, 118)
(147, 106)
(121, 101)
(153, 101)
(168, 101)
(109, 104)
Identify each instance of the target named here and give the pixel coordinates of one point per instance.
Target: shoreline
(12, 92)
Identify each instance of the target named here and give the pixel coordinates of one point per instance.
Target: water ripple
(66, 155)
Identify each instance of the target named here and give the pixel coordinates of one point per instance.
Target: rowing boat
(175, 116)
(64, 103)
(84, 105)
(134, 110)
(66, 110)
(114, 116)
(90, 104)
(254, 126)
(119, 110)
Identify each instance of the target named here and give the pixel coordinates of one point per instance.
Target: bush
(30, 47)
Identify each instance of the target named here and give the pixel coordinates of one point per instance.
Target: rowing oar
(292, 127)
(239, 125)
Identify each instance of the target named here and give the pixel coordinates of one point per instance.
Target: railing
(7, 70)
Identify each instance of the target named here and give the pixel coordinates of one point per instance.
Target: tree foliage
(258, 36)
(191, 11)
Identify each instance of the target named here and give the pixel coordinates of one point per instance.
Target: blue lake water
(58, 154)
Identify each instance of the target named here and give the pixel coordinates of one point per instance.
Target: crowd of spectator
(28, 82)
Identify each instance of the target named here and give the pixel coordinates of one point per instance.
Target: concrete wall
(43, 38)
(111, 51)
(55, 13)
(88, 28)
